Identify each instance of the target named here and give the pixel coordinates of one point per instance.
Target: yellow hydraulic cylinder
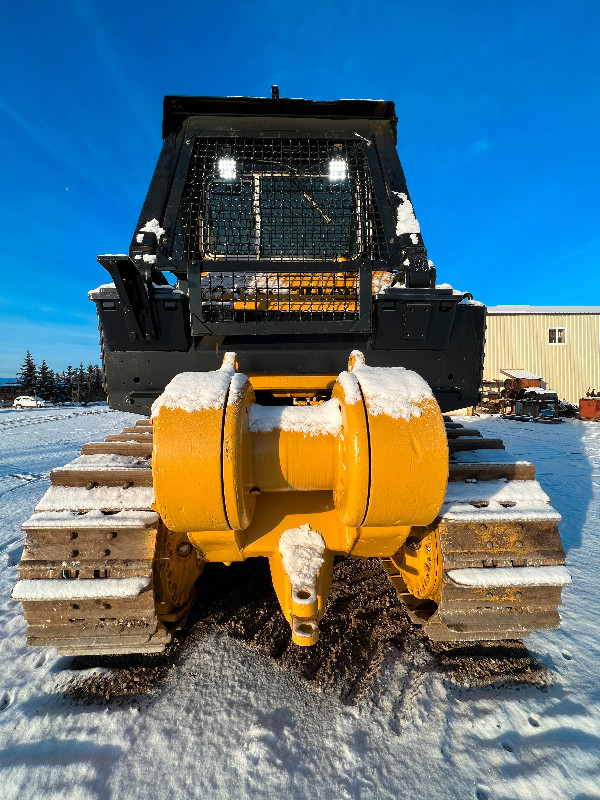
(299, 484)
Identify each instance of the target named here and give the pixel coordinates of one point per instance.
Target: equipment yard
(374, 710)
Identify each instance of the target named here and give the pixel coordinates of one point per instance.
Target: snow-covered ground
(230, 721)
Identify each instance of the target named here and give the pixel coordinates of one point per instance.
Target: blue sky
(498, 106)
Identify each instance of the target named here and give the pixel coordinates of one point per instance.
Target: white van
(26, 401)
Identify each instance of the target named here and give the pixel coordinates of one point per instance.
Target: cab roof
(177, 108)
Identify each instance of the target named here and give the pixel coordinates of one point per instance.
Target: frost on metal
(153, 226)
(406, 221)
(302, 555)
(80, 589)
(394, 391)
(318, 420)
(511, 576)
(197, 391)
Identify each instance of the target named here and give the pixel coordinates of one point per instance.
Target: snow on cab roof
(543, 310)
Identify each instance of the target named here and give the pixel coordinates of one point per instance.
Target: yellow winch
(216, 453)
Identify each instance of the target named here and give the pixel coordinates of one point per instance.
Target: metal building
(560, 343)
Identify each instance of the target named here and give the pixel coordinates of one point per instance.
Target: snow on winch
(292, 387)
(266, 470)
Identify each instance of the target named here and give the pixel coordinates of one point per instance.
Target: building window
(557, 335)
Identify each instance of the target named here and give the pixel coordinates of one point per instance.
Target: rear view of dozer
(278, 325)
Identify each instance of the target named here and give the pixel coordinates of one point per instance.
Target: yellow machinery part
(310, 291)
(177, 565)
(420, 562)
(186, 469)
(236, 476)
(290, 385)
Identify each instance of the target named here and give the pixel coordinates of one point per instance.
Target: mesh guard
(278, 200)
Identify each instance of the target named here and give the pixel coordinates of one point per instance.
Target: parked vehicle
(26, 401)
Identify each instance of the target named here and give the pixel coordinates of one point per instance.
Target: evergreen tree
(83, 385)
(69, 377)
(45, 385)
(54, 378)
(28, 375)
(62, 390)
(94, 374)
(80, 379)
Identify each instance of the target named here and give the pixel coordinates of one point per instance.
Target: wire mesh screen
(246, 296)
(298, 200)
(287, 199)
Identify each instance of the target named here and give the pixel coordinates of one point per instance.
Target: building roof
(543, 310)
(521, 373)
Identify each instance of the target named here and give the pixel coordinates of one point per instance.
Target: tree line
(79, 385)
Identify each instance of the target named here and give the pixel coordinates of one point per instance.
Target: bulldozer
(278, 327)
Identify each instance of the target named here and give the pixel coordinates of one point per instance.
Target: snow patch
(101, 498)
(197, 391)
(540, 392)
(302, 555)
(100, 289)
(104, 462)
(351, 388)
(319, 420)
(236, 388)
(406, 221)
(153, 226)
(90, 519)
(511, 576)
(104, 286)
(497, 500)
(76, 589)
(394, 391)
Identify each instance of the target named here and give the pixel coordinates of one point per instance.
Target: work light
(227, 168)
(338, 169)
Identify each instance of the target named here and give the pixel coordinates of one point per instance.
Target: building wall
(520, 341)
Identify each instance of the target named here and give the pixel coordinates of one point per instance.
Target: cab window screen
(278, 199)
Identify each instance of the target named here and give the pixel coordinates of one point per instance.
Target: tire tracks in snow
(10, 425)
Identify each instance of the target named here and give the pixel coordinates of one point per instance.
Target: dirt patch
(365, 624)
(490, 663)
